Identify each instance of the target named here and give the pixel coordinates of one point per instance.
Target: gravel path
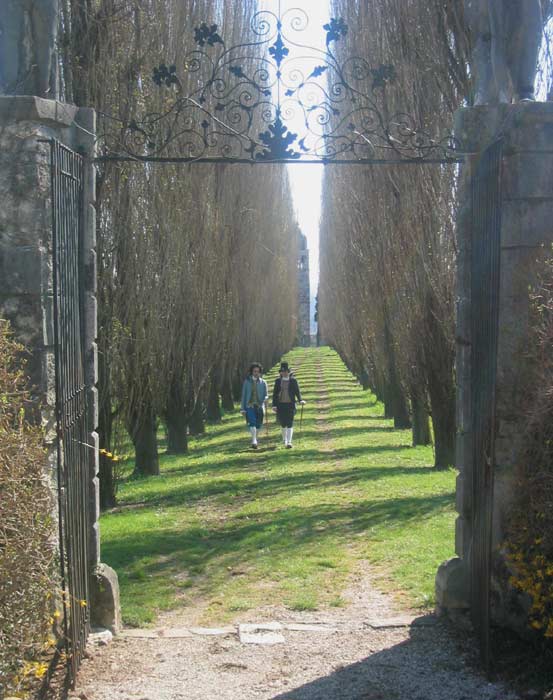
(369, 650)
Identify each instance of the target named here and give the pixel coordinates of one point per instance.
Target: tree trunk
(226, 396)
(177, 431)
(213, 408)
(176, 421)
(143, 432)
(442, 402)
(387, 400)
(400, 408)
(363, 378)
(421, 420)
(396, 401)
(237, 387)
(196, 419)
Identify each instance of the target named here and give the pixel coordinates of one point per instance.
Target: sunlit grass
(237, 529)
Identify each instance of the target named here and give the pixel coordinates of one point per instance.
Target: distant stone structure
(304, 297)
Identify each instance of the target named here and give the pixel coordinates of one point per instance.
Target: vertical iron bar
(71, 399)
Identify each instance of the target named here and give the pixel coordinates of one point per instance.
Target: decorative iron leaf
(207, 34)
(162, 74)
(335, 29)
(277, 140)
(319, 70)
(278, 50)
(237, 71)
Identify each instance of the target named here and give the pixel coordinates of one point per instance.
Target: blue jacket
(262, 392)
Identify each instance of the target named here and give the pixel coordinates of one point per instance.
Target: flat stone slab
(401, 621)
(140, 634)
(212, 631)
(175, 633)
(267, 633)
(261, 638)
(261, 626)
(178, 632)
(301, 627)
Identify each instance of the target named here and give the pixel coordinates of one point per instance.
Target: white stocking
(285, 435)
(290, 433)
(253, 431)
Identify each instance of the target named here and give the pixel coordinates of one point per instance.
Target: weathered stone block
(463, 450)
(104, 599)
(90, 311)
(527, 223)
(30, 108)
(477, 127)
(93, 415)
(453, 585)
(463, 536)
(20, 270)
(528, 175)
(48, 334)
(463, 496)
(529, 127)
(90, 271)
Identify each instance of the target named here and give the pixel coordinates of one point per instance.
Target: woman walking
(254, 397)
(285, 394)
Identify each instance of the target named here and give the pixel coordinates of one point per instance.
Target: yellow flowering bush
(530, 540)
(27, 532)
(532, 573)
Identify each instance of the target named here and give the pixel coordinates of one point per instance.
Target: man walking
(254, 397)
(285, 394)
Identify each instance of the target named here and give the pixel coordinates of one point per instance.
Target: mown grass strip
(236, 529)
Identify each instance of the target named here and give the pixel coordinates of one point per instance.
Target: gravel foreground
(373, 652)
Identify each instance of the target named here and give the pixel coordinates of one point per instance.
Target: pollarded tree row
(388, 261)
(197, 264)
(386, 299)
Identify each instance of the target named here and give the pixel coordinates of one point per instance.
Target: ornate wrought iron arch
(273, 99)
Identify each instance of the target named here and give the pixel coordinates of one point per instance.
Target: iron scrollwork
(274, 99)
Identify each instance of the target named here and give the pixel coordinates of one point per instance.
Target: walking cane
(301, 418)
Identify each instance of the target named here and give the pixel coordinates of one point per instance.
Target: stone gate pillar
(26, 280)
(526, 239)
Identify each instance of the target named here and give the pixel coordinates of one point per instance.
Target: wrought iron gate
(71, 395)
(485, 260)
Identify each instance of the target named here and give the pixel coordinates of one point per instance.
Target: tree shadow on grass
(183, 494)
(332, 431)
(253, 461)
(241, 539)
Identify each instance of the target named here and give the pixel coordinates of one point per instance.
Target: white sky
(306, 180)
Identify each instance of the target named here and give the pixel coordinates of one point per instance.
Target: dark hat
(284, 367)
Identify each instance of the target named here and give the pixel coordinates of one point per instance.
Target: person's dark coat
(294, 391)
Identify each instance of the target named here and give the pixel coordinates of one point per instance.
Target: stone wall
(526, 239)
(26, 271)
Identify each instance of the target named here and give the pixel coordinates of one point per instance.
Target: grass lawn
(235, 528)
